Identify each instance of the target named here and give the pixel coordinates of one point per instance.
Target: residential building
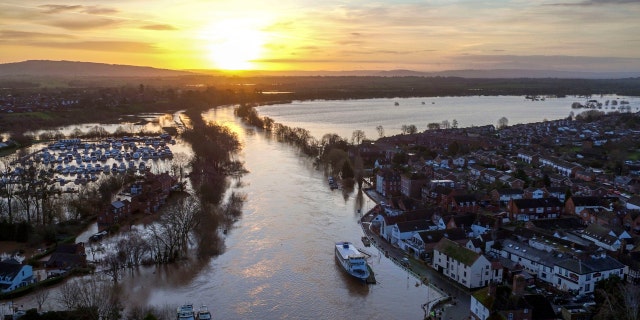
(581, 275)
(14, 275)
(464, 266)
(532, 209)
(388, 182)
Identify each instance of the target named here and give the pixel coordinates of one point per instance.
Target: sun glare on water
(235, 44)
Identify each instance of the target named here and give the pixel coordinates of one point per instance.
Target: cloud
(83, 24)
(108, 46)
(24, 35)
(159, 27)
(61, 8)
(587, 3)
(313, 61)
(99, 10)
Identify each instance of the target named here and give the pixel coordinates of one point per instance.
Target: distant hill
(470, 74)
(40, 68)
(48, 68)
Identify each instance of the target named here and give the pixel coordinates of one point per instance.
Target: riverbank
(447, 299)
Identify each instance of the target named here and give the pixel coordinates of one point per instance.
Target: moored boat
(185, 312)
(203, 313)
(352, 260)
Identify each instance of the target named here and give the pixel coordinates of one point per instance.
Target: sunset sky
(427, 35)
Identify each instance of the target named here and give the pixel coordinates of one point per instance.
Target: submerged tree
(503, 123)
(357, 137)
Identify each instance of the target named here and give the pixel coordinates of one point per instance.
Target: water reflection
(278, 260)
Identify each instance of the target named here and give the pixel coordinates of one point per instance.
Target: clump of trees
(590, 115)
(616, 300)
(91, 297)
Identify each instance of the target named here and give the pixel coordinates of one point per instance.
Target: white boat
(185, 312)
(352, 260)
(204, 314)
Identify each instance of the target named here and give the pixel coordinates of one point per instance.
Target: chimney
(492, 289)
(519, 283)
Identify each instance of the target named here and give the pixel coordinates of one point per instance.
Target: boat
(332, 183)
(185, 312)
(366, 241)
(203, 313)
(352, 260)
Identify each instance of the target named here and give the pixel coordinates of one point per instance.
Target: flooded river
(279, 260)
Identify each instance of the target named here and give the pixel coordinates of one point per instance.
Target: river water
(279, 259)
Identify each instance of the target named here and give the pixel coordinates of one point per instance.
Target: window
(588, 277)
(510, 317)
(587, 287)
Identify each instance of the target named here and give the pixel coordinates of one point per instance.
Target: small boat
(185, 312)
(352, 260)
(366, 241)
(203, 313)
(397, 104)
(332, 183)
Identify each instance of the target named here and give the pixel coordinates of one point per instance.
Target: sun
(235, 44)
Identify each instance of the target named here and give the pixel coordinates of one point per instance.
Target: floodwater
(345, 116)
(279, 259)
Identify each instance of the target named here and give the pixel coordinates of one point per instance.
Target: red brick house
(533, 209)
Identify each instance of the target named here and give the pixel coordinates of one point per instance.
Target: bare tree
(454, 124)
(433, 126)
(445, 124)
(40, 294)
(113, 264)
(133, 249)
(380, 130)
(7, 186)
(503, 123)
(94, 296)
(179, 164)
(357, 137)
(170, 234)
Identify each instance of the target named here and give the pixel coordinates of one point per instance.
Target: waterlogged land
(109, 100)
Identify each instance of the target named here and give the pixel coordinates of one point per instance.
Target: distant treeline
(307, 88)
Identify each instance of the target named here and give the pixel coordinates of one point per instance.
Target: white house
(535, 261)
(602, 236)
(14, 275)
(465, 266)
(405, 230)
(581, 275)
